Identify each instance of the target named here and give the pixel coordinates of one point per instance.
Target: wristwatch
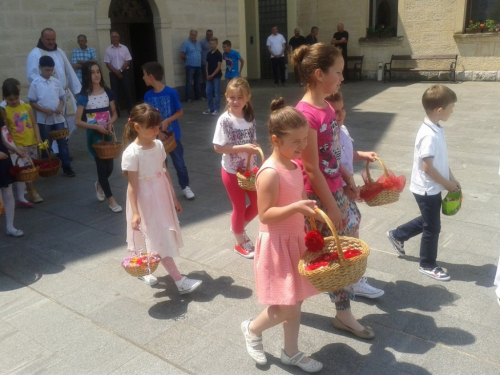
(121, 71)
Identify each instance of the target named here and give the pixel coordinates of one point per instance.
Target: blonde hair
(241, 84)
(307, 59)
(283, 119)
(438, 96)
(145, 116)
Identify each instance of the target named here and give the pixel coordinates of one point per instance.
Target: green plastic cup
(452, 203)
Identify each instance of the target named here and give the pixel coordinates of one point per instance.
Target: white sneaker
(149, 279)
(363, 289)
(207, 112)
(186, 285)
(188, 193)
(215, 113)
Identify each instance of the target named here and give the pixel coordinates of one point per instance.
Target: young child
(348, 156)
(236, 139)
(96, 103)
(232, 57)
(213, 74)
(23, 133)
(151, 203)
(320, 65)
(167, 101)
(46, 95)
(282, 206)
(430, 175)
(6, 181)
(20, 186)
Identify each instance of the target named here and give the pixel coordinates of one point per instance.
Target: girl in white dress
(152, 205)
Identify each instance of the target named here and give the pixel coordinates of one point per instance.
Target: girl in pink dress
(151, 203)
(282, 205)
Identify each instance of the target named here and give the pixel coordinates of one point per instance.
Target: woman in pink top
(320, 66)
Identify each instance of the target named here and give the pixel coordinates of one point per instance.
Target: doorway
(133, 20)
(271, 13)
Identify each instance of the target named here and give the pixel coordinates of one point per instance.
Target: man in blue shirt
(191, 55)
(82, 55)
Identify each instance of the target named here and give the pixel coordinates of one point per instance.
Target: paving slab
(67, 307)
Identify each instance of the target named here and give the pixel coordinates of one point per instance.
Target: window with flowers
(383, 18)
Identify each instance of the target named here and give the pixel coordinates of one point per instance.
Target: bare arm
(168, 120)
(364, 156)
(133, 184)
(39, 108)
(36, 129)
(249, 148)
(242, 63)
(86, 125)
(125, 65)
(178, 207)
(183, 56)
(428, 166)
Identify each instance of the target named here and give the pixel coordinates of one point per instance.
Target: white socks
(21, 186)
(9, 203)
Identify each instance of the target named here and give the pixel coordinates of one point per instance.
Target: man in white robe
(63, 72)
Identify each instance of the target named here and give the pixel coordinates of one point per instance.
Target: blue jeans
(178, 160)
(429, 224)
(213, 91)
(62, 143)
(193, 76)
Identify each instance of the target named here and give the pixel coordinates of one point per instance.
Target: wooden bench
(357, 66)
(389, 68)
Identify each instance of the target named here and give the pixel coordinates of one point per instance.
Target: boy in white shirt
(430, 175)
(46, 95)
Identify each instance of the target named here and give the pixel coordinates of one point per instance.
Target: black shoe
(69, 172)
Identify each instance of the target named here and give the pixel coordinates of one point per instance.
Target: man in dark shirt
(295, 42)
(340, 39)
(311, 38)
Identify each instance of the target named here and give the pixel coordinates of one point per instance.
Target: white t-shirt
(231, 130)
(430, 143)
(276, 43)
(47, 93)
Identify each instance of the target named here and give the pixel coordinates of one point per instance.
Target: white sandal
(258, 355)
(311, 366)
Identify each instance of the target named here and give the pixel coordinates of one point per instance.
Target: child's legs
(62, 144)
(251, 210)
(238, 200)
(178, 160)
(216, 83)
(209, 92)
(9, 204)
(171, 267)
(104, 170)
(342, 298)
(430, 208)
(20, 187)
(291, 328)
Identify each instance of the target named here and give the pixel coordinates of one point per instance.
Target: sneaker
(363, 289)
(248, 244)
(149, 279)
(24, 204)
(207, 112)
(34, 196)
(399, 246)
(258, 355)
(186, 285)
(188, 193)
(215, 113)
(244, 251)
(69, 172)
(436, 273)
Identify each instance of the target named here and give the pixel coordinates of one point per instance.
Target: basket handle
(368, 169)
(27, 157)
(332, 229)
(250, 157)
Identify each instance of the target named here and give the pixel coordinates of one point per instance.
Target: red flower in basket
(247, 174)
(255, 170)
(314, 241)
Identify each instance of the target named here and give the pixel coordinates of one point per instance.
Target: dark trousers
(104, 170)
(178, 160)
(62, 144)
(429, 224)
(193, 77)
(278, 62)
(119, 85)
(345, 71)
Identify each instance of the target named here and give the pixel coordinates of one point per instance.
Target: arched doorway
(133, 20)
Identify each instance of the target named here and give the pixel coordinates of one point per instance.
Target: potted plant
(473, 27)
(489, 26)
(388, 32)
(372, 33)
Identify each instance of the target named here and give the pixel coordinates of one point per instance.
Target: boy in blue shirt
(167, 101)
(232, 57)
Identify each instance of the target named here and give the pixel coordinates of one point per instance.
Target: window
(383, 17)
(482, 10)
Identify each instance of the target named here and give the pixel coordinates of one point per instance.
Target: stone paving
(67, 307)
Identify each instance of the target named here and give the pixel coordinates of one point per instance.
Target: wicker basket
(143, 269)
(248, 183)
(336, 275)
(108, 149)
(170, 144)
(385, 196)
(50, 171)
(54, 135)
(27, 175)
